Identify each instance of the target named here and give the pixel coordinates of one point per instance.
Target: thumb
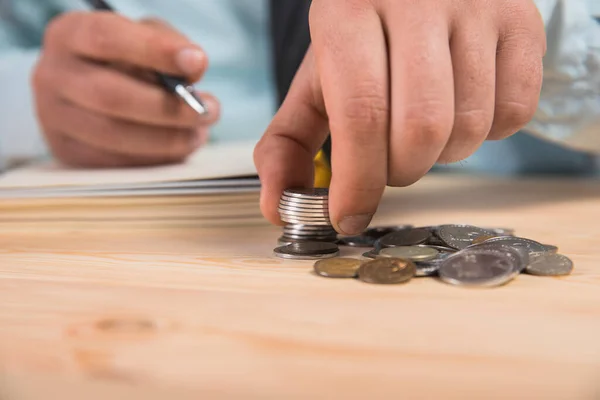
(284, 156)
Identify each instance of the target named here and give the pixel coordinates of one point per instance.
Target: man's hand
(96, 99)
(401, 85)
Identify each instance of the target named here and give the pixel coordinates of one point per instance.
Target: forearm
(20, 135)
(569, 108)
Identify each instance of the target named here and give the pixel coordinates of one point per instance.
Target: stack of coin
(306, 212)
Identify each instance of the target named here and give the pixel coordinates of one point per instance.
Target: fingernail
(355, 224)
(190, 61)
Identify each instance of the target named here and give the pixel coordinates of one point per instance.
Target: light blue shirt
(235, 34)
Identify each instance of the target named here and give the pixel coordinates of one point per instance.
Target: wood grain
(163, 311)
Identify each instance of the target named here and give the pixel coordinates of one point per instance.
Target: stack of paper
(217, 185)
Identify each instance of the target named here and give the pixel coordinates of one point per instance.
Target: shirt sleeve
(569, 107)
(20, 135)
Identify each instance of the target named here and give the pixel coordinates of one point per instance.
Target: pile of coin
(306, 213)
(461, 255)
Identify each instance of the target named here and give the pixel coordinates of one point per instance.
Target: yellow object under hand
(322, 171)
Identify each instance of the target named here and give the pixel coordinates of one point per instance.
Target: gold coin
(387, 271)
(338, 267)
(482, 238)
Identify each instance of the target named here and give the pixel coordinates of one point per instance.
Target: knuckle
(96, 36)
(514, 115)
(472, 125)
(367, 109)
(428, 123)
(106, 96)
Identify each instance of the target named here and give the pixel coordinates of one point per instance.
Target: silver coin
(303, 202)
(308, 192)
(357, 241)
(326, 231)
(371, 254)
(291, 220)
(290, 205)
(479, 267)
(413, 253)
(282, 241)
(312, 248)
(307, 219)
(531, 246)
(303, 206)
(380, 231)
(305, 257)
(427, 268)
(407, 237)
(550, 265)
(460, 236)
(307, 250)
(502, 231)
(441, 249)
(302, 213)
(551, 248)
(306, 228)
(294, 238)
(521, 252)
(311, 233)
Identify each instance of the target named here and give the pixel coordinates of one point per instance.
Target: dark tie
(291, 39)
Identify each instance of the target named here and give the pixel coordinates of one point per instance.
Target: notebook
(219, 168)
(216, 186)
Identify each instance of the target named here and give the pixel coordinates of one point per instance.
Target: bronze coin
(338, 267)
(387, 271)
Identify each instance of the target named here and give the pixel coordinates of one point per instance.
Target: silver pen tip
(191, 99)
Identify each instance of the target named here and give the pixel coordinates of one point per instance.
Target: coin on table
(483, 238)
(439, 248)
(307, 250)
(427, 268)
(357, 241)
(407, 237)
(551, 248)
(502, 231)
(479, 268)
(380, 231)
(413, 253)
(550, 265)
(460, 236)
(387, 271)
(338, 267)
(521, 253)
(371, 253)
(531, 246)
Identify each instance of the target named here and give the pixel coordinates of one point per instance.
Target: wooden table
(181, 313)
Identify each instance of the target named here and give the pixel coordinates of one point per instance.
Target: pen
(171, 83)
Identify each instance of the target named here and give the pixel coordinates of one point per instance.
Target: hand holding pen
(108, 91)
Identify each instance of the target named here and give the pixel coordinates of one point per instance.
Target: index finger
(109, 37)
(350, 51)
